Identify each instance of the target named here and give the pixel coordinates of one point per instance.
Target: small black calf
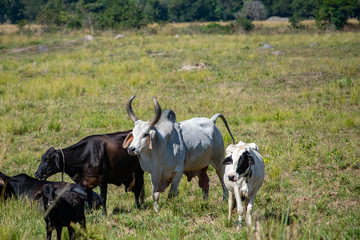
(61, 210)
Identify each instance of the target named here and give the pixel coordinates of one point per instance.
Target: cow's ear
(251, 159)
(51, 151)
(128, 140)
(57, 160)
(2, 183)
(228, 161)
(38, 195)
(149, 141)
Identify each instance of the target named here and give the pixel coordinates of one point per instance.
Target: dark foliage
(125, 14)
(336, 12)
(245, 23)
(303, 9)
(214, 28)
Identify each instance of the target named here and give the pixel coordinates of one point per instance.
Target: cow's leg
(48, 234)
(239, 206)
(58, 233)
(103, 192)
(156, 191)
(71, 233)
(220, 172)
(249, 209)
(204, 182)
(156, 198)
(139, 188)
(142, 194)
(246, 202)
(231, 204)
(175, 185)
(83, 220)
(89, 193)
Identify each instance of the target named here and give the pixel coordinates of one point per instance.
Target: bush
(215, 28)
(295, 22)
(21, 24)
(246, 24)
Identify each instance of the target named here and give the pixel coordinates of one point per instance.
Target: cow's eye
(146, 134)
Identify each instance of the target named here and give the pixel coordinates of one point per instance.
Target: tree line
(112, 14)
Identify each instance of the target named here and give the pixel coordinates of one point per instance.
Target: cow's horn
(157, 113)
(129, 110)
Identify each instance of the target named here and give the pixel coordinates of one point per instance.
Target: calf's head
(47, 193)
(143, 134)
(50, 164)
(239, 160)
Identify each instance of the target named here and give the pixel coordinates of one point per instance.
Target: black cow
(23, 185)
(61, 209)
(96, 160)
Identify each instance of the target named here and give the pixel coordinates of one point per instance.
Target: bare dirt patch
(42, 48)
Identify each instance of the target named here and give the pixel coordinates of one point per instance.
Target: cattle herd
(165, 148)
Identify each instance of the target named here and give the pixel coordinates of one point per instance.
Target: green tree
(198, 10)
(11, 10)
(230, 7)
(155, 10)
(87, 11)
(281, 8)
(254, 10)
(335, 12)
(303, 8)
(3, 11)
(124, 14)
(32, 7)
(57, 13)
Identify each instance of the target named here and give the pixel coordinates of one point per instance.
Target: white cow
(167, 149)
(244, 175)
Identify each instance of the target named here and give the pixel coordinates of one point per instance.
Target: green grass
(300, 108)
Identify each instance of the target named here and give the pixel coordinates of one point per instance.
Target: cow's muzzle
(231, 177)
(132, 151)
(40, 176)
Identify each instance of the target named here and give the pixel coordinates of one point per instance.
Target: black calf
(61, 210)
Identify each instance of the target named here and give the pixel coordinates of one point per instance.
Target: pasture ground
(300, 106)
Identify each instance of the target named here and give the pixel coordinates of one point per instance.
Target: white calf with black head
(244, 175)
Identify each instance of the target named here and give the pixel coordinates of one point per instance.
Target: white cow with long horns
(167, 149)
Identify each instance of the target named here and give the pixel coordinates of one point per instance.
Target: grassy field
(300, 105)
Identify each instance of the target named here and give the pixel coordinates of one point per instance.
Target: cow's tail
(215, 117)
